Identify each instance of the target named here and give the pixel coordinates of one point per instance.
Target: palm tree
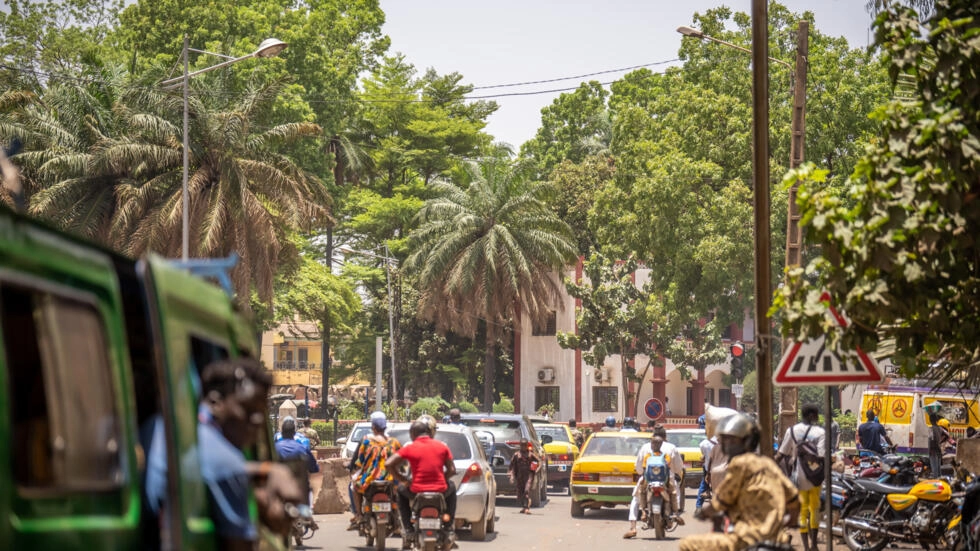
(246, 194)
(485, 253)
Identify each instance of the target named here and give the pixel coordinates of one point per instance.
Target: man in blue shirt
(291, 449)
(872, 435)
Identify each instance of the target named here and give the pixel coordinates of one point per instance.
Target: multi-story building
(293, 353)
(546, 373)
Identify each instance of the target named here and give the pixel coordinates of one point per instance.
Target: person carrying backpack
(805, 443)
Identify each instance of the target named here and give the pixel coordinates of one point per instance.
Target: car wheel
(577, 510)
(544, 492)
(478, 529)
(491, 521)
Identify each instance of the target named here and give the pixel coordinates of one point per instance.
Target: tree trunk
(489, 368)
(624, 369)
(636, 399)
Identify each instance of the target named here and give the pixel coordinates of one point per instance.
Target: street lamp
(391, 316)
(694, 33)
(268, 48)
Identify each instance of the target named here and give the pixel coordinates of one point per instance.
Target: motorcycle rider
(755, 494)
(704, 488)
(610, 425)
(872, 435)
(656, 448)
(676, 465)
(370, 461)
(576, 434)
(432, 469)
(629, 425)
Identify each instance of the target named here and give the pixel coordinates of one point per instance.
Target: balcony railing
(296, 365)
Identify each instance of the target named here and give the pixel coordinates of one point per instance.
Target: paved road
(549, 528)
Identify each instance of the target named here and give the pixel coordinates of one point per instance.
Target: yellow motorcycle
(926, 513)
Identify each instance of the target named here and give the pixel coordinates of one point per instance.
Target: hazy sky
(507, 41)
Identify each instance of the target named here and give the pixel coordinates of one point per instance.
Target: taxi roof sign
(812, 362)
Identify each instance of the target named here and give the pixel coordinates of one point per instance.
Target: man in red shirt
(432, 467)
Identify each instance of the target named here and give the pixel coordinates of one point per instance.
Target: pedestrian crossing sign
(813, 362)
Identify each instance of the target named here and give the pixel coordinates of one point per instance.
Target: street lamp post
(793, 237)
(269, 47)
(388, 259)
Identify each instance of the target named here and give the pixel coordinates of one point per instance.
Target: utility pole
(794, 238)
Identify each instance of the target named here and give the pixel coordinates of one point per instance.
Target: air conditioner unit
(546, 375)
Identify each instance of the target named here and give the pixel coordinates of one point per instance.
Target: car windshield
(458, 443)
(557, 434)
(615, 445)
(686, 439)
(502, 430)
(358, 434)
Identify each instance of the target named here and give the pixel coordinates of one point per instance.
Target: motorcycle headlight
(656, 470)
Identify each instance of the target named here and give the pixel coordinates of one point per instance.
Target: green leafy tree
(573, 126)
(576, 185)
(898, 253)
(482, 252)
(613, 318)
(313, 293)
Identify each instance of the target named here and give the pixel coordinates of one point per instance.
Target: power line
(576, 76)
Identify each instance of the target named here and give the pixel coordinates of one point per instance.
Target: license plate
(430, 523)
(593, 490)
(865, 464)
(381, 506)
(612, 479)
(562, 468)
(655, 508)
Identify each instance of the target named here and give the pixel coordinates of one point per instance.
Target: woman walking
(522, 467)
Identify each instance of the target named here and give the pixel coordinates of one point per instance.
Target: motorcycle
(926, 513)
(969, 536)
(430, 533)
(303, 526)
(377, 519)
(658, 502)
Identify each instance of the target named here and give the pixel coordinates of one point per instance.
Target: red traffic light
(737, 349)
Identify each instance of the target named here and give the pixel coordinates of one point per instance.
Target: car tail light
(657, 490)
(563, 457)
(472, 472)
(585, 477)
(559, 457)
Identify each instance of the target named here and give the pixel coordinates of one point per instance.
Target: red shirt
(427, 458)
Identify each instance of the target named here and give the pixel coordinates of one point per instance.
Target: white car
(476, 489)
(356, 436)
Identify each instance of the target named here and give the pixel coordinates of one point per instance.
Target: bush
(467, 407)
(505, 405)
(434, 406)
(325, 432)
(349, 409)
(548, 410)
(848, 427)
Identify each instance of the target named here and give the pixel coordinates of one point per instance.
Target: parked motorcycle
(877, 514)
(430, 532)
(303, 524)
(659, 504)
(377, 520)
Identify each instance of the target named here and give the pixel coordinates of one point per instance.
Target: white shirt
(706, 446)
(676, 461)
(816, 435)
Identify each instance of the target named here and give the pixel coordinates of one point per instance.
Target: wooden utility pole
(794, 237)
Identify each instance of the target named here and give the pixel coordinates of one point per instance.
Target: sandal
(629, 535)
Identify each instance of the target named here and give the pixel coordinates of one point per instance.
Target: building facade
(545, 373)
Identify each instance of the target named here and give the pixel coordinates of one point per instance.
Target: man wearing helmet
(432, 467)
(755, 494)
(610, 425)
(629, 425)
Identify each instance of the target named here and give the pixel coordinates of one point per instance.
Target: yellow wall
(291, 377)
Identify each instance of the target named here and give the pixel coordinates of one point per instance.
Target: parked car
(508, 429)
(688, 442)
(604, 475)
(356, 436)
(476, 488)
(562, 452)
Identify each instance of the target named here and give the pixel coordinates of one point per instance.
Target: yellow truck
(898, 404)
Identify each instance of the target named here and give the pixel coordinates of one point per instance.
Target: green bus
(92, 346)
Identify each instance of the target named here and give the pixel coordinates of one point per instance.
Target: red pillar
(660, 378)
(633, 389)
(698, 384)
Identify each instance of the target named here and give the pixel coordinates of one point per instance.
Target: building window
(605, 398)
(709, 396)
(304, 358)
(548, 328)
(544, 395)
(725, 397)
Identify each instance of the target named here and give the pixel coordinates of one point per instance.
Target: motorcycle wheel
(298, 539)
(658, 526)
(859, 540)
(381, 533)
(369, 535)
(429, 546)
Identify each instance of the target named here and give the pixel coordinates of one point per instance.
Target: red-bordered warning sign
(813, 362)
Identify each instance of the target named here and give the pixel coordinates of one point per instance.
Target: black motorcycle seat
(432, 499)
(877, 487)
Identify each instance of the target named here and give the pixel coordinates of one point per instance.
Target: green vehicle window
(63, 408)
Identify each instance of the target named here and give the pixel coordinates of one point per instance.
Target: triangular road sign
(811, 362)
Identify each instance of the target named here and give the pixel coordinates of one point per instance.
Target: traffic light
(738, 355)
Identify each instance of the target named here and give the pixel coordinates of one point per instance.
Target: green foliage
(313, 293)
(571, 128)
(848, 426)
(466, 407)
(505, 405)
(898, 254)
(575, 187)
(325, 431)
(548, 409)
(350, 409)
(434, 406)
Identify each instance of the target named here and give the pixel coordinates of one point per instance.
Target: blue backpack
(656, 469)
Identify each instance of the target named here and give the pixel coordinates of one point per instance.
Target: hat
(379, 421)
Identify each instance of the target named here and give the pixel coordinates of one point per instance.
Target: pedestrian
(455, 417)
(576, 434)
(793, 446)
(522, 467)
(935, 438)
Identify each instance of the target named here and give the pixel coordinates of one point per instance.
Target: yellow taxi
(562, 452)
(604, 474)
(688, 442)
